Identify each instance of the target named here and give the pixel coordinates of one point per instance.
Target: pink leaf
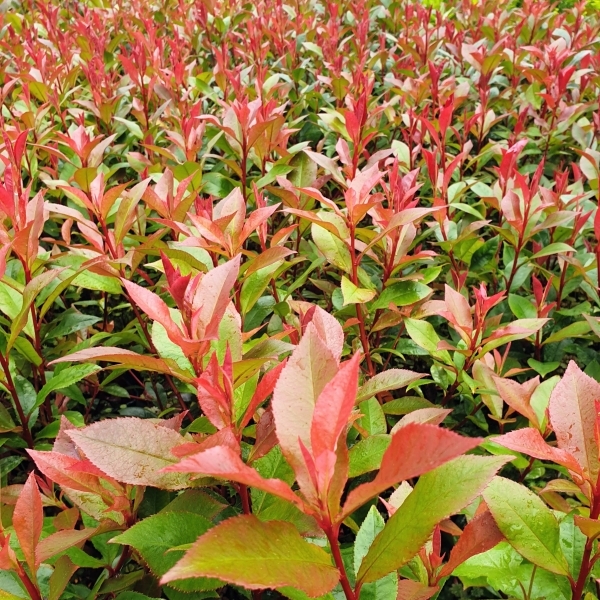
(459, 307)
(310, 368)
(212, 297)
(154, 306)
(330, 418)
(276, 557)
(529, 441)
(518, 396)
(573, 418)
(414, 590)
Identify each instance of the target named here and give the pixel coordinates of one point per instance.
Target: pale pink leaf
(132, 450)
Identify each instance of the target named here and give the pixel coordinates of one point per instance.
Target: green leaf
(527, 523)
(392, 379)
(245, 551)
(168, 349)
(572, 542)
(154, 537)
(332, 247)
(423, 334)
(134, 596)
(370, 528)
(554, 248)
(305, 170)
(255, 284)
(387, 587)
(443, 491)
(542, 368)
(521, 307)
(574, 330)
(26, 394)
(503, 569)
(402, 293)
(405, 405)
(485, 254)
(373, 419)
(64, 379)
(353, 294)
(366, 454)
(101, 283)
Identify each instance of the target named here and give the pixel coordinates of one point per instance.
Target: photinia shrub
(299, 299)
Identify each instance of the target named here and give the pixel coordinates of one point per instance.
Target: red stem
(586, 563)
(332, 535)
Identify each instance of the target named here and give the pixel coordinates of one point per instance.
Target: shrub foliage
(299, 298)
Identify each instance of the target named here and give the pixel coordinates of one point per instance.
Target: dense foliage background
(409, 184)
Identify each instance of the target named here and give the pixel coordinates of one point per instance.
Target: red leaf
(263, 390)
(28, 519)
(225, 463)
(480, 535)
(573, 418)
(529, 441)
(330, 419)
(63, 470)
(415, 449)
(8, 560)
(155, 307)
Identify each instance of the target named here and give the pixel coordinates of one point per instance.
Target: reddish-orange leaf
(414, 590)
(330, 418)
(127, 358)
(28, 520)
(225, 463)
(415, 449)
(480, 535)
(530, 441)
